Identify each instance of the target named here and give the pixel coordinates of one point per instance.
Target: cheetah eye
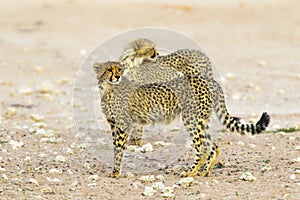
(109, 69)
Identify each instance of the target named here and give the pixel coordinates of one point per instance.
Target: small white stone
(75, 183)
(297, 148)
(129, 175)
(261, 63)
(55, 170)
(247, 176)
(93, 177)
(149, 178)
(25, 90)
(145, 148)
(69, 151)
(36, 117)
(4, 177)
(167, 192)
(16, 144)
(42, 155)
(292, 177)
(236, 96)
(86, 165)
(230, 76)
(273, 148)
(45, 87)
(253, 146)
(266, 168)
(159, 186)
(185, 182)
(160, 177)
(32, 180)
(297, 171)
(281, 92)
(27, 158)
(11, 111)
(149, 191)
(163, 143)
(296, 160)
(2, 169)
(241, 143)
(215, 181)
(69, 171)
(53, 179)
(250, 85)
(60, 158)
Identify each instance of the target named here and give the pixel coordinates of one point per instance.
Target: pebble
(47, 190)
(60, 158)
(247, 176)
(297, 171)
(74, 184)
(45, 87)
(4, 176)
(36, 117)
(168, 192)
(297, 148)
(230, 76)
(185, 182)
(296, 160)
(145, 148)
(159, 186)
(149, 178)
(149, 191)
(281, 92)
(25, 90)
(39, 69)
(160, 177)
(15, 144)
(129, 175)
(241, 143)
(292, 177)
(11, 111)
(53, 179)
(55, 170)
(32, 180)
(93, 177)
(163, 143)
(261, 63)
(266, 168)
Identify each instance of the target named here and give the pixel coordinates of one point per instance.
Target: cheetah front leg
(119, 140)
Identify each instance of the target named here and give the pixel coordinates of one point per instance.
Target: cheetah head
(108, 72)
(137, 51)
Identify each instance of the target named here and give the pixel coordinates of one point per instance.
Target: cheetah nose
(117, 77)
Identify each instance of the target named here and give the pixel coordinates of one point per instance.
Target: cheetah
(126, 104)
(144, 65)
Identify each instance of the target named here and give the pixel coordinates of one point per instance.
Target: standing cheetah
(126, 104)
(144, 65)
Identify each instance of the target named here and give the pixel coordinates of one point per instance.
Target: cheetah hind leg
(202, 145)
(136, 137)
(211, 161)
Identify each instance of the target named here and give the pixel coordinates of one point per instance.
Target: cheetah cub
(126, 104)
(144, 65)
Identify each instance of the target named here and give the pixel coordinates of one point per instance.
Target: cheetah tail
(233, 123)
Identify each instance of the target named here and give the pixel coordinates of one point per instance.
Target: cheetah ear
(96, 67)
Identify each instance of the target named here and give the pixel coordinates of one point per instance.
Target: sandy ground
(255, 47)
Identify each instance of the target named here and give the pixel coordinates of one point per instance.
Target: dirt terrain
(45, 153)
